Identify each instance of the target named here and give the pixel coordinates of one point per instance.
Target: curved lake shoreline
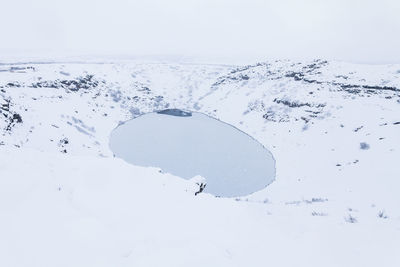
(187, 144)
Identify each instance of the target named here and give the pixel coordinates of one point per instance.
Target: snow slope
(333, 128)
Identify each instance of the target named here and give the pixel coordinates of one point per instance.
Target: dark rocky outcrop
(175, 112)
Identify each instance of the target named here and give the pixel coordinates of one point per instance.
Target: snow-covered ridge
(333, 129)
(280, 91)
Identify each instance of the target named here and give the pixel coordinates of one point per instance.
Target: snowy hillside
(333, 128)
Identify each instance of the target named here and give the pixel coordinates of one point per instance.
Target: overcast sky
(349, 30)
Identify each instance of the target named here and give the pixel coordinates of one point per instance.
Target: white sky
(352, 30)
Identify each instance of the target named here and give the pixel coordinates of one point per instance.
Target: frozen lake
(189, 144)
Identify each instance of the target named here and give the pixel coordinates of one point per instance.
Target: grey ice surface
(233, 163)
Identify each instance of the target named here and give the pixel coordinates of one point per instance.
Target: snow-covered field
(333, 128)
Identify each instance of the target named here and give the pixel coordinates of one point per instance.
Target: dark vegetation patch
(350, 88)
(18, 69)
(11, 84)
(11, 118)
(144, 89)
(382, 214)
(358, 128)
(316, 213)
(84, 82)
(240, 74)
(295, 104)
(355, 88)
(350, 219)
(74, 85)
(307, 201)
(63, 144)
(364, 146)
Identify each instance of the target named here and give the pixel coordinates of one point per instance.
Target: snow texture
(66, 201)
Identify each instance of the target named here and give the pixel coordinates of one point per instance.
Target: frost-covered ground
(333, 128)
